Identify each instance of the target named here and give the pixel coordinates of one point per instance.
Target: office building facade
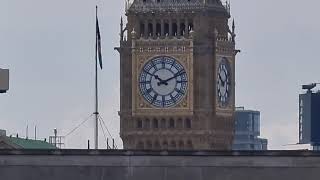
(309, 119)
(247, 131)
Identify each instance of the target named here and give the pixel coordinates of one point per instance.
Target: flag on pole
(98, 42)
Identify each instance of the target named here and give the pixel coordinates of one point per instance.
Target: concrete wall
(138, 165)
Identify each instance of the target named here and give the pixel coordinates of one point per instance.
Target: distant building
(309, 119)
(4, 80)
(247, 131)
(2, 132)
(22, 143)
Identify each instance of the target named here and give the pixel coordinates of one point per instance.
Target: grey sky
(49, 48)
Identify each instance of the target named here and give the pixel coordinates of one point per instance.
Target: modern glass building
(309, 119)
(247, 131)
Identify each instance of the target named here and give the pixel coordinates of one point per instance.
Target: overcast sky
(49, 48)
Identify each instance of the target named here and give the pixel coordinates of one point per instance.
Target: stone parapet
(158, 165)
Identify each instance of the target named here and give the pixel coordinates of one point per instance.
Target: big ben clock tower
(177, 74)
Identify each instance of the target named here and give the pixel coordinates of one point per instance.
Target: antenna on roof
(309, 87)
(35, 132)
(27, 132)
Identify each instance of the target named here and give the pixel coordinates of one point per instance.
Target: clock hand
(157, 77)
(176, 75)
(161, 81)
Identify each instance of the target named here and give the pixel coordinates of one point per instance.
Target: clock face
(224, 82)
(163, 82)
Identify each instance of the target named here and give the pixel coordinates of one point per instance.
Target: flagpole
(96, 113)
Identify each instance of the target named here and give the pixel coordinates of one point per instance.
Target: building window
(147, 124)
(155, 124)
(251, 137)
(188, 123)
(150, 29)
(158, 29)
(171, 123)
(166, 29)
(190, 26)
(251, 146)
(181, 145)
(182, 28)
(163, 123)
(139, 123)
(142, 29)
(174, 29)
(179, 123)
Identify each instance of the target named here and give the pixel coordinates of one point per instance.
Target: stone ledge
(84, 152)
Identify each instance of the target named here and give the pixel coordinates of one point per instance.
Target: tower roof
(176, 5)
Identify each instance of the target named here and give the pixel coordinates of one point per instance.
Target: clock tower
(177, 75)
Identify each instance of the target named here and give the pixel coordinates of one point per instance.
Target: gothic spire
(233, 31)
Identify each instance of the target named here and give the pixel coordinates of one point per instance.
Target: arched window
(171, 123)
(139, 123)
(150, 29)
(147, 123)
(188, 123)
(142, 33)
(155, 123)
(190, 27)
(182, 29)
(166, 29)
(179, 123)
(158, 29)
(174, 29)
(163, 123)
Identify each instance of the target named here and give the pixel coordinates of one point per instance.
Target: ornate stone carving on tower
(177, 74)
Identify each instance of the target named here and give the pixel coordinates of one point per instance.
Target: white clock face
(224, 82)
(163, 82)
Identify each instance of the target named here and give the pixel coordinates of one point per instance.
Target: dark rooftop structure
(177, 5)
(22, 143)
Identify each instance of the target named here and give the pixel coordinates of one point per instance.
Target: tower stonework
(177, 75)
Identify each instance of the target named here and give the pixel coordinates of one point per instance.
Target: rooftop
(169, 5)
(22, 143)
